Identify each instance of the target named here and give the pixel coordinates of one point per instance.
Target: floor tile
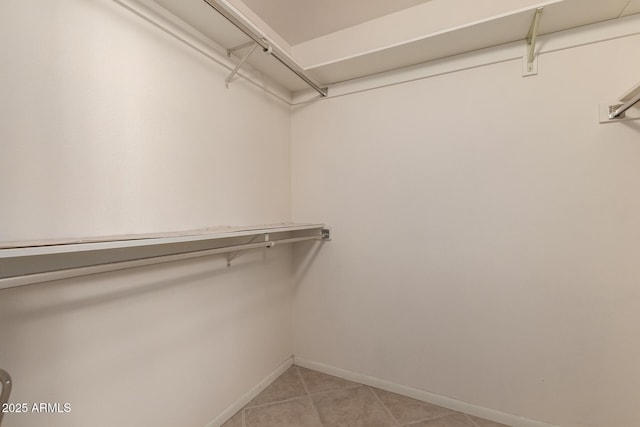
(486, 423)
(456, 419)
(302, 397)
(287, 386)
(235, 421)
(407, 410)
(351, 407)
(293, 413)
(317, 382)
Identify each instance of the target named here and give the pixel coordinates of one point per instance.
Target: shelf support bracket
(236, 254)
(234, 49)
(240, 64)
(531, 60)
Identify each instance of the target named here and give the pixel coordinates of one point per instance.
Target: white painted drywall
(111, 126)
(108, 125)
(486, 232)
(172, 345)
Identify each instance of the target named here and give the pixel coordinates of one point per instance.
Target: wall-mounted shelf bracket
(234, 49)
(236, 254)
(241, 63)
(530, 58)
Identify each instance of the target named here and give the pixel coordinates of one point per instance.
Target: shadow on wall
(635, 125)
(88, 292)
(304, 255)
(90, 338)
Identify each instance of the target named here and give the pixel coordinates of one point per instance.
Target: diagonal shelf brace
(232, 50)
(236, 254)
(531, 59)
(240, 64)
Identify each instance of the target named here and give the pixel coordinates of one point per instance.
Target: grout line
(304, 384)
(424, 396)
(309, 395)
(437, 417)
(320, 393)
(451, 412)
(355, 384)
(384, 406)
(306, 389)
(300, 397)
(471, 419)
(262, 405)
(315, 409)
(245, 399)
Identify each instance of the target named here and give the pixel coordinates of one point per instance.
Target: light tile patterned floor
(304, 398)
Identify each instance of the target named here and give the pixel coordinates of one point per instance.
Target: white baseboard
(425, 396)
(247, 397)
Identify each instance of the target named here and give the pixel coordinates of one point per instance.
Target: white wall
(109, 125)
(486, 234)
(113, 126)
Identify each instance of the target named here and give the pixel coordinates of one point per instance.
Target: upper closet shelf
(331, 62)
(429, 31)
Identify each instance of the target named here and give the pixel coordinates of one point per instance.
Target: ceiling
(298, 21)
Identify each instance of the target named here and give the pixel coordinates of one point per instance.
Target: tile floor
(304, 398)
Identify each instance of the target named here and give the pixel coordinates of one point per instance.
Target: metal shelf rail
(75, 258)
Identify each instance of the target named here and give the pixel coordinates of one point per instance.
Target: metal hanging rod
(266, 46)
(617, 111)
(30, 279)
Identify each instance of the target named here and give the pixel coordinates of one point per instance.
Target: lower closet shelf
(26, 263)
